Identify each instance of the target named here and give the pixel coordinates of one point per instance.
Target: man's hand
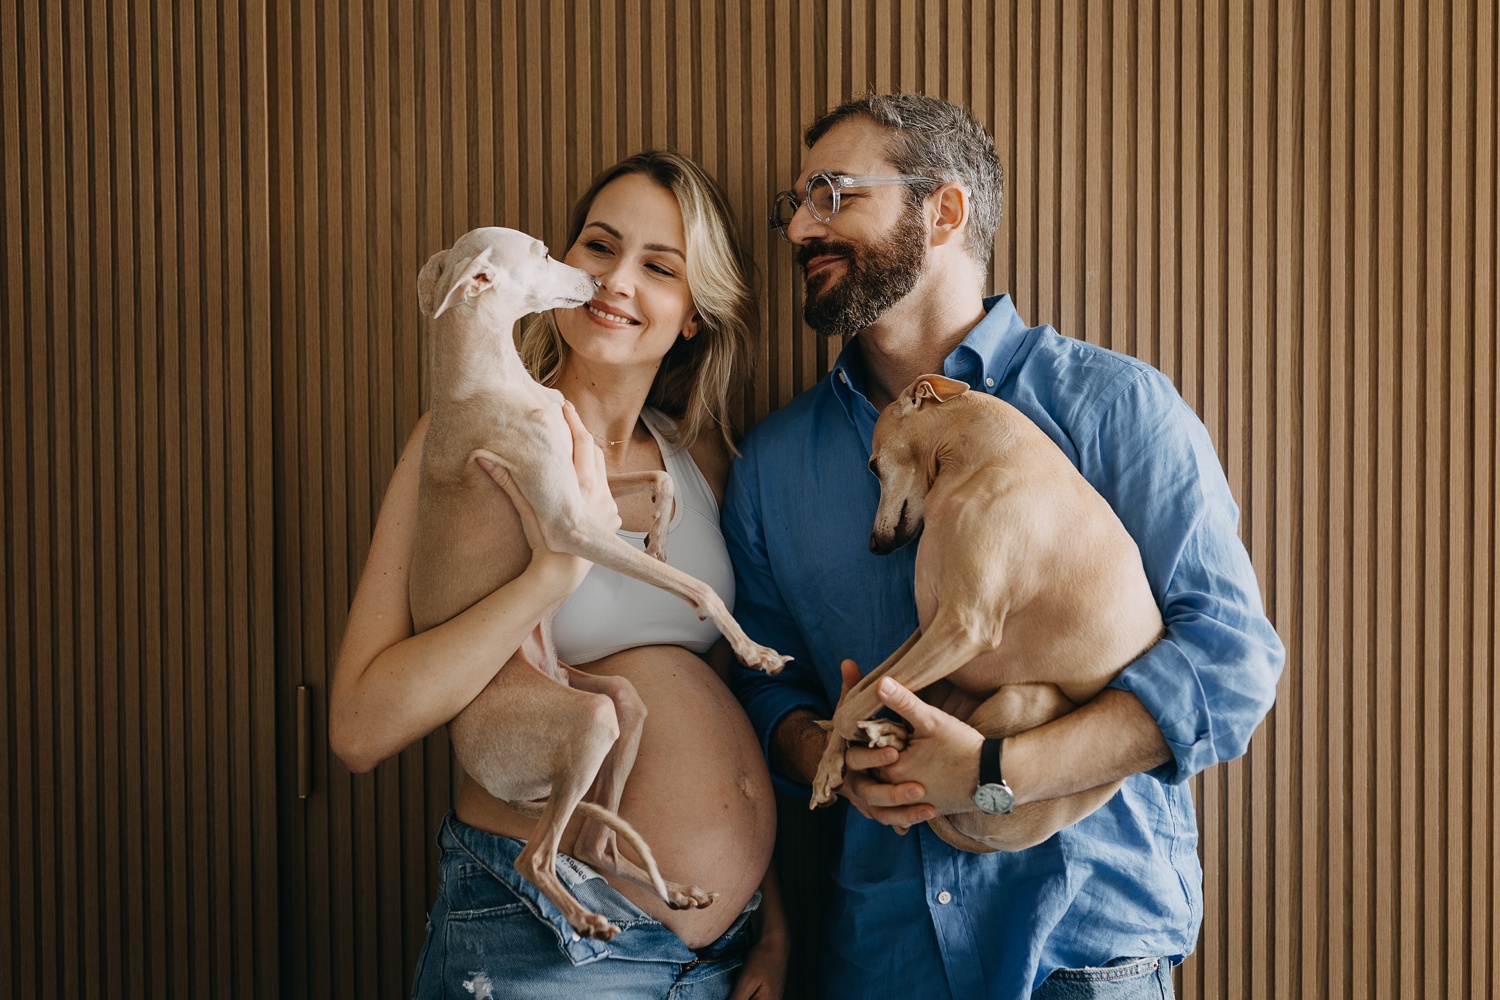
(942, 755)
(797, 748)
(871, 786)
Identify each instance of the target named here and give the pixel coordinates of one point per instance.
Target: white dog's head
(511, 261)
(905, 459)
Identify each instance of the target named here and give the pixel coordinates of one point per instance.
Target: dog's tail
(637, 843)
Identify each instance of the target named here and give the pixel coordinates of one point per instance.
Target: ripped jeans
(492, 934)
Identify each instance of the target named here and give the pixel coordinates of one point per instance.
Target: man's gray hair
(934, 138)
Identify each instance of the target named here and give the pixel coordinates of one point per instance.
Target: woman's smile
(607, 316)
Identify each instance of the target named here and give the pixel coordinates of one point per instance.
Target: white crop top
(610, 612)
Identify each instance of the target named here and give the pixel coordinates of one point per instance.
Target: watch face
(994, 799)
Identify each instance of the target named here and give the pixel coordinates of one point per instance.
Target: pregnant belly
(699, 793)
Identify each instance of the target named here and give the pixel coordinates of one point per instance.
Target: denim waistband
(642, 937)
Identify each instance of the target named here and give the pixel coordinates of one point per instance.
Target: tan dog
(1030, 592)
(540, 729)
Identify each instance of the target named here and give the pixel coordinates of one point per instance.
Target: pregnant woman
(646, 366)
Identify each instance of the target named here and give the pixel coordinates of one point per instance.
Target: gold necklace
(606, 442)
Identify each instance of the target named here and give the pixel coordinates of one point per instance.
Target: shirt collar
(983, 360)
(847, 378)
(992, 348)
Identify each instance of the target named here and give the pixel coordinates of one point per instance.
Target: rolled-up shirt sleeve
(762, 612)
(1212, 677)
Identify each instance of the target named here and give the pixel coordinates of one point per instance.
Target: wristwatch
(993, 795)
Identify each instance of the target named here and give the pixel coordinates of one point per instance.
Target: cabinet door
(137, 582)
(358, 861)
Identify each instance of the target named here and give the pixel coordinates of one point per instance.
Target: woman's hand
(561, 571)
(763, 976)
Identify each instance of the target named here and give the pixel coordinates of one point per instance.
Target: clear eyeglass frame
(823, 193)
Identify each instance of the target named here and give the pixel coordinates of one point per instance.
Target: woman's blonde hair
(692, 384)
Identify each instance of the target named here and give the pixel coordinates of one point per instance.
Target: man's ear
(951, 212)
(936, 389)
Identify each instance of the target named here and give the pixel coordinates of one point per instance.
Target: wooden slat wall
(1289, 211)
(213, 219)
(138, 635)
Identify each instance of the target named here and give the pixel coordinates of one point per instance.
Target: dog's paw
(830, 775)
(656, 544)
(760, 658)
(596, 926)
(689, 897)
(884, 733)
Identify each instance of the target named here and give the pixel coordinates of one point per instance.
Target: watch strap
(989, 763)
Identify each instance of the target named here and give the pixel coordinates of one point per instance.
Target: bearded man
(893, 218)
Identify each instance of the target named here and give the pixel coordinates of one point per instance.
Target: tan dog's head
(904, 457)
(506, 259)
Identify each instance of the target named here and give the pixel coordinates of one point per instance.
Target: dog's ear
(465, 280)
(427, 281)
(938, 388)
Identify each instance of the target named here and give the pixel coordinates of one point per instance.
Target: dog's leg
(550, 485)
(832, 762)
(589, 541)
(660, 484)
(597, 844)
(528, 736)
(872, 678)
(929, 656)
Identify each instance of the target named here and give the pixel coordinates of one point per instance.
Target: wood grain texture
(139, 631)
(213, 217)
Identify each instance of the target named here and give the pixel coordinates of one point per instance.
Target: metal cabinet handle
(304, 741)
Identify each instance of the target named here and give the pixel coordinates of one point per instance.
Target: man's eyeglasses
(823, 192)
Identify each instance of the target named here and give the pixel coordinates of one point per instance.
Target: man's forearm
(1109, 738)
(797, 746)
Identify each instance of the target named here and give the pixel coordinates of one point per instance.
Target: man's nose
(804, 226)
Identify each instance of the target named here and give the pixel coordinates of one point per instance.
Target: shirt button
(990, 382)
(842, 377)
(945, 897)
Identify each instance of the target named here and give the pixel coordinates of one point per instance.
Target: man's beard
(876, 277)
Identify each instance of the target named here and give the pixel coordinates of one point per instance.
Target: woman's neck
(608, 402)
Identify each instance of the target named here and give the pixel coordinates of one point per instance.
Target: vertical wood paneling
(213, 217)
(1263, 202)
(140, 826)
(1484, 316)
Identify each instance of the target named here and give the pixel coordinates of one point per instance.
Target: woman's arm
(391, 688)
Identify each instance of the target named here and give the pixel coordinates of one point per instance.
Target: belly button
(747, 787)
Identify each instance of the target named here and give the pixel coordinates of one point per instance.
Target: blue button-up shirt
(1124, 881)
